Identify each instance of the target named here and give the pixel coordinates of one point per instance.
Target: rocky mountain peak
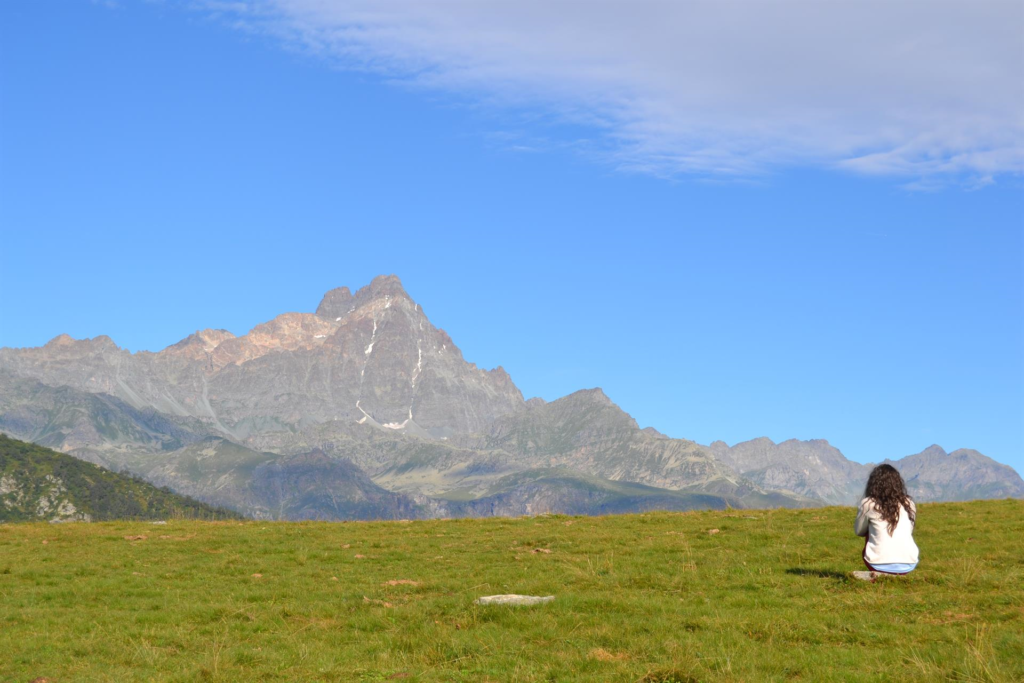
(386, 284)
(501, 376)
(286, 332)
(60, 340)
(382, 292)
(211, 339)
(964, 474)
(290, 330)
(386, 287)
(336, 304)
(199, 343)
(65, 344)
(651, 431)
(934, 451)
(594, 402)
(595, 395)
(812, 468)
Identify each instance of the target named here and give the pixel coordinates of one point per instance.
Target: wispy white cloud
(931, 92)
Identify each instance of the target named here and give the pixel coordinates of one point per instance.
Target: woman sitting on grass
(886, 519)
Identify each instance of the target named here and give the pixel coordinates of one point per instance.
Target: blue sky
(721, 274)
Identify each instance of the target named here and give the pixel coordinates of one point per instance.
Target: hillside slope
(37, 483)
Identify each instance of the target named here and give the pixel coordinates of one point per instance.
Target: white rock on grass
(513, 600)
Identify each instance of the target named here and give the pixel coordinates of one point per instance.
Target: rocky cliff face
(364, 408)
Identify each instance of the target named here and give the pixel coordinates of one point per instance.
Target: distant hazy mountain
(586, 432)
(97, 427)
(307, 486)
(564, 491)
(818, 470)
(964, 474)
(815, 469)
(365, 409)
(38, 484)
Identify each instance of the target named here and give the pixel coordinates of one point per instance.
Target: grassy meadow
(650, 597)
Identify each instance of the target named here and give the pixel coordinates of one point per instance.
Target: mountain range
(364, 409)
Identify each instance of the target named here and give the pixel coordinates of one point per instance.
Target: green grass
(649, 597)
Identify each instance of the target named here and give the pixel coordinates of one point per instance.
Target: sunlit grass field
(651, 597)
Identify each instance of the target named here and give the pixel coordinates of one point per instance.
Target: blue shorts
(894, 568)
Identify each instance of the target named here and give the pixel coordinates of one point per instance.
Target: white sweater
(881, 548)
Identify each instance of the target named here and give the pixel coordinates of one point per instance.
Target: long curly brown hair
(886, 488)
